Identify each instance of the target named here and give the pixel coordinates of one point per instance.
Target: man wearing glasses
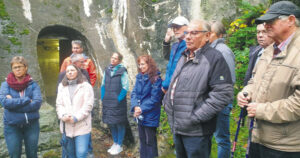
(176, 28)
(255, 52)
(201, 87)
(274, 90)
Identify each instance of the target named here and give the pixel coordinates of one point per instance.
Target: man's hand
(251, 108)
(8, 96)
(163, 90)
(169, 35)
(137, 111)
(242, 100)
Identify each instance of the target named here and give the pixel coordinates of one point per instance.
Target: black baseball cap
(277, 9)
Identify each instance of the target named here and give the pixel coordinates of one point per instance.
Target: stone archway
(53, 46)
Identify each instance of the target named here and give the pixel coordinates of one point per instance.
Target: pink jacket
(83, 101)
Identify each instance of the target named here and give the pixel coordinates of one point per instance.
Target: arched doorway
(53, 46)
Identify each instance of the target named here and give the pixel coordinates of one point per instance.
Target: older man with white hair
(201, 86)
(274, 91)
(176, 29)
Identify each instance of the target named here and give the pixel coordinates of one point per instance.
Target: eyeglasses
(17, 67)
(193, 33)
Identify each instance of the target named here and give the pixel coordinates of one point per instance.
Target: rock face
(131, 27)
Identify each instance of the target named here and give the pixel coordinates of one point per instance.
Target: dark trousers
(148, 142)
(192, 146)
(15, 134)
(260, 151)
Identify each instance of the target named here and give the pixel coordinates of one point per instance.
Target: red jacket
(90, 67)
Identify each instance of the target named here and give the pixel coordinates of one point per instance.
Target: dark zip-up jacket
(204, 88)
(253, 55)
(147, 96)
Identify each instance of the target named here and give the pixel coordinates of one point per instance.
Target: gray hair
(205, 26)
(297, 22)
(76, 57)
(78, 42)
(285, 17)
(218, 28)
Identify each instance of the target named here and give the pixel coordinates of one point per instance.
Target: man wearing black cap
(176, 28)
(274, 91)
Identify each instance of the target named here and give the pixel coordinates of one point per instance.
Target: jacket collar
(216, 42)
(284, 52)
(197, 57)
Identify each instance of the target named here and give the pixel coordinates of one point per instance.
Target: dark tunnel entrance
(53, 46)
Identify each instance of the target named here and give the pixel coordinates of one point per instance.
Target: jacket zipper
(26, 118)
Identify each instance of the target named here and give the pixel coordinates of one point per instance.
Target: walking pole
(249, 136)
(236, 134)
(243, 113)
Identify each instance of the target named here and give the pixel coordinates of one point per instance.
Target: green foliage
(109, 10)
(58, 5)
(9, 29)
(51, 154)
(3, 13)
(7, 48)
(164, 127)
(242, 35)
(242, 31)
(25, 32)
(14, 40)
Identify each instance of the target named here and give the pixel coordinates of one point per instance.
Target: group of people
(197, 93)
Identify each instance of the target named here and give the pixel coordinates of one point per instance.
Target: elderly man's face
(277, 28)
(77, 49)
(80, 63)
(179, 31)
(262, 37)
(195, 36)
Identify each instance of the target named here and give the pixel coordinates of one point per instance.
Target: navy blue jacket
(253, 54)
(18, 111)
(147, 96)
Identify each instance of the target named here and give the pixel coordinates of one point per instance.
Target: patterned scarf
(15, 84)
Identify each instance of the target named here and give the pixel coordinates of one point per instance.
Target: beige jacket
(81, 108)
(276, 89)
